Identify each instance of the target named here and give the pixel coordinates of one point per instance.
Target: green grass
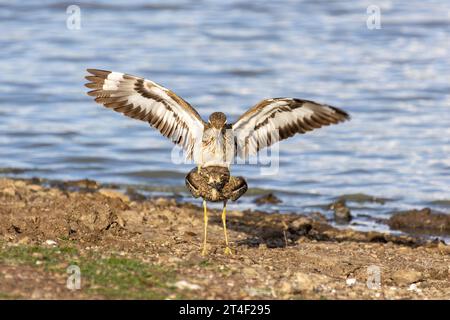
(108, 276)
(30, 255)
(124, 278)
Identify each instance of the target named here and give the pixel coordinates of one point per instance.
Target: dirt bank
(136, 248)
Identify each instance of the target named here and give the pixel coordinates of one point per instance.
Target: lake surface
(395, 82)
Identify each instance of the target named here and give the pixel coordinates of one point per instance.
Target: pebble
(19, 184)
(9, 192)
(303, 282)
(443, 248)
(34, 187)
(24, 240)
(267, 199)
(51, 243)
(341, 212)
(402, 277)
(413, 287)
(111, 193)
(249, 272)
(300, 226)
(184, 285)
(129, 217)
(286, 287)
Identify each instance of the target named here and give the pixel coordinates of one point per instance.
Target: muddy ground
(129, 247)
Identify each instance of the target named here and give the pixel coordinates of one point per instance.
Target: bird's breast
(215, 149)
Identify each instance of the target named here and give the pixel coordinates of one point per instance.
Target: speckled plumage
(215, 184)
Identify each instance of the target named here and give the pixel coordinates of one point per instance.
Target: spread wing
(272, 120)
(145, 100)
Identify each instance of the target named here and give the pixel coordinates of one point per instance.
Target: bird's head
(217, 120)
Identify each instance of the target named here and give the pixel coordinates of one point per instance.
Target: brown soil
(275, 256)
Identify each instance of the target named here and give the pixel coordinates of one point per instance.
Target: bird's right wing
(145, 100)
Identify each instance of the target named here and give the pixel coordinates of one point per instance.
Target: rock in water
(424, 221)
(268, 199)
(341, 212)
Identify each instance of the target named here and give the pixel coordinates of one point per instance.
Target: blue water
(228, 55)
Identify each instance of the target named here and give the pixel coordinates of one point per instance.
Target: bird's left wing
(146, 100)
(272, 120)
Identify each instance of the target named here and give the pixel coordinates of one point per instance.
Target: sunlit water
(228, 55)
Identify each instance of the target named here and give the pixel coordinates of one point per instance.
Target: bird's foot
(228, 251)
(204, 251)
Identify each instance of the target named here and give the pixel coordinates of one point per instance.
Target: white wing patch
(145, 100)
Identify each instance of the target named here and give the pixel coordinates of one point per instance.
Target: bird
(215, 184)
(215, 142)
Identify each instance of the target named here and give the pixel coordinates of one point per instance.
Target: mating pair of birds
(212, 145)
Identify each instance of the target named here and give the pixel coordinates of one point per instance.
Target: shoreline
(276, 256)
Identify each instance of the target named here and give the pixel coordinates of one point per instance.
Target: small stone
(34, 187)
(300, 226)
(443, 248)
(258, 292)
(341, 212)
(402, 277)
(174, 260)
(19, 184)
(249, 272)
(184, 285)
(350, 282)
(111, 193)
(286, 287)
(9, 192)
(129, 217)
(267, 199)
(24, 240)
(134, 195)
(303, 282)
(413, 287)
(164, 201)
(51, 243)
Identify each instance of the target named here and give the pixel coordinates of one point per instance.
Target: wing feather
(145, 100)
(272, 120)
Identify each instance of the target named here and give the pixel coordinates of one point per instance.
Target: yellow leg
(224, 221)
(205, 217)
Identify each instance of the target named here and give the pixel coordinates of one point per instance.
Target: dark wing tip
(341, 114)
(98, 72)
(344, 116)
(94, 93)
